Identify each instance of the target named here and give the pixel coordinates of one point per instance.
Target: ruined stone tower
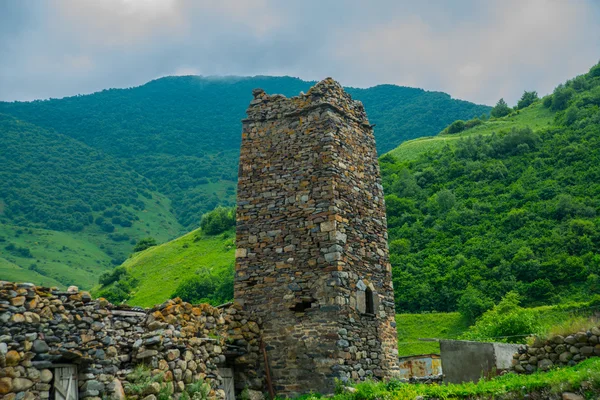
(312, 258)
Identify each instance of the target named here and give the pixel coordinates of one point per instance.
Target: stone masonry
(312, 258)
(178, 343)
(558, 350)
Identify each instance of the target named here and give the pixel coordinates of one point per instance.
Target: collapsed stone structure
(44, 331)
(313, 287)
(312, 258)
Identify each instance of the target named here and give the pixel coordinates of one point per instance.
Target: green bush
(527, 99)
(144, 244)
(218, 220)
(506, 322)
(456, 127)
(209, 288)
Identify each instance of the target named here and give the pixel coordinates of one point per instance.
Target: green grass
(412, 327)
(162, 268)
(535, 116)
(583, 378)
(78, 258)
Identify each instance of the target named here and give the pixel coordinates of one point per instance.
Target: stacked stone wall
(558, 350)
(177, 342)
(312, 259)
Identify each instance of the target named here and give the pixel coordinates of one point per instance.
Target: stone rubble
(41, 328)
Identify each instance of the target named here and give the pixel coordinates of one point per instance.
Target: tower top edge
(328, 93)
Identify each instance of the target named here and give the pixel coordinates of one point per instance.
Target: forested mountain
(512, 204)
(68, 211)
(183, 133)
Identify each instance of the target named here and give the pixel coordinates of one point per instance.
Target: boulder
(21, 384)
(545, 364)
(5, 385)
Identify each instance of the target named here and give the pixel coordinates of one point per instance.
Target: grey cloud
(475, 50)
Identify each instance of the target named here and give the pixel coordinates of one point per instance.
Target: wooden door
(228, 384)
(65, 383)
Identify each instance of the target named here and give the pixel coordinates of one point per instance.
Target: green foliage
(116, 286)
(183, 133)
(412, 327)
(207, 287)
(456, 127)
(51, 181)
(583, 378)
(473, 303)
(110, 277)
(523, 214)
(527, 99)
(561, 96)
(198, 390)
(140, 379)
(144, 244)
(207, 261)
(218, 220)
(506, 322)
(501, 109)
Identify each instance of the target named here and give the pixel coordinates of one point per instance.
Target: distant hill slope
(68, 211)
(183, 133)
(536, 117)
(511, 204)
(155, 274)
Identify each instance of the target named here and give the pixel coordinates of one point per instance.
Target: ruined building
(313, 288)
(312, 259)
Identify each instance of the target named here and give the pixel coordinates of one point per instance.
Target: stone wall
(558, 350)
(312, 258)
(177, 342)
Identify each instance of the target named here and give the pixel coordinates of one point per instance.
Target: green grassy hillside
(67, 211)
(159, 270)
(535, 117)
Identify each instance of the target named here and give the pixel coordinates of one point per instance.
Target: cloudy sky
(472, 49)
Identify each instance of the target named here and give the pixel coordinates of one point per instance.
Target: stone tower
(312, 258)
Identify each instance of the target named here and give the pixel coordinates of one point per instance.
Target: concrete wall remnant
(312, 258)
(466, 361)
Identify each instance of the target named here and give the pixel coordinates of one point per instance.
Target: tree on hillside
(218, 220)
(144, 243)
(501, 109)
(527, 99)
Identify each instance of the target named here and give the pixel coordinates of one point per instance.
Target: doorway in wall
(228, 383)
(64, 383)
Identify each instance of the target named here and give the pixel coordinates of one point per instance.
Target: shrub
(218, 220)
(456, 127)
(527, 99)
(212, 288)
(110, 277)
(561, 97)
(506, 322)
(144, 244)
